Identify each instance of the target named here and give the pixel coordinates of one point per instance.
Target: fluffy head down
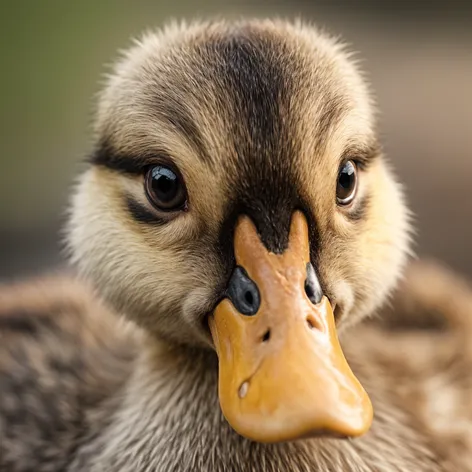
(257, 116)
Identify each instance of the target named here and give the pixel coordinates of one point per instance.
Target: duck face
(237, 185)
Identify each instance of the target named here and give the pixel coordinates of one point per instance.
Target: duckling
(236, 217)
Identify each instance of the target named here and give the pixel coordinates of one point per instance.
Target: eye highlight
(346, 185)
(165, 188)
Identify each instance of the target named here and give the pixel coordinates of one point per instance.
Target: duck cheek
(344, 297)
(282, 373)
(194, 310)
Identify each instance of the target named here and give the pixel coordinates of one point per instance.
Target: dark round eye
(165, 189)
(347, 183)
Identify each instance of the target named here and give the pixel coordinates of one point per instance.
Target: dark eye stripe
(364, 155)
(104, 156)
(360, 209)
(141, 214)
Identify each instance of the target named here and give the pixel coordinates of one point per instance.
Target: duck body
(83, 391)
(237, 214)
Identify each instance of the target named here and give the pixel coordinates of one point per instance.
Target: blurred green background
(418, 56)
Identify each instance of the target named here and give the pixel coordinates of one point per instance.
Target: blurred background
(418, 56)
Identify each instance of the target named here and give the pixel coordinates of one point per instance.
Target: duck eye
(165, 189)
(347, 183)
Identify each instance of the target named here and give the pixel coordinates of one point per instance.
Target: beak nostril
(309, 291)
(312, 285)
(243, 292)
(266, 336)
(249, 298)
(313, 323)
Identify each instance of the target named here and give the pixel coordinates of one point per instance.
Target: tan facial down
(176, 97)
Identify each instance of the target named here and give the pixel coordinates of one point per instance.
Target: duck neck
(173, 383)
(167, 417)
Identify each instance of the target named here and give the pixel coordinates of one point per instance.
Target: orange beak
(282, 373)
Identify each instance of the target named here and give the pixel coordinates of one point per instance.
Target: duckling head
(238, 199)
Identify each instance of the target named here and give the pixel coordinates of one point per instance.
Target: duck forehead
(238, 94)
